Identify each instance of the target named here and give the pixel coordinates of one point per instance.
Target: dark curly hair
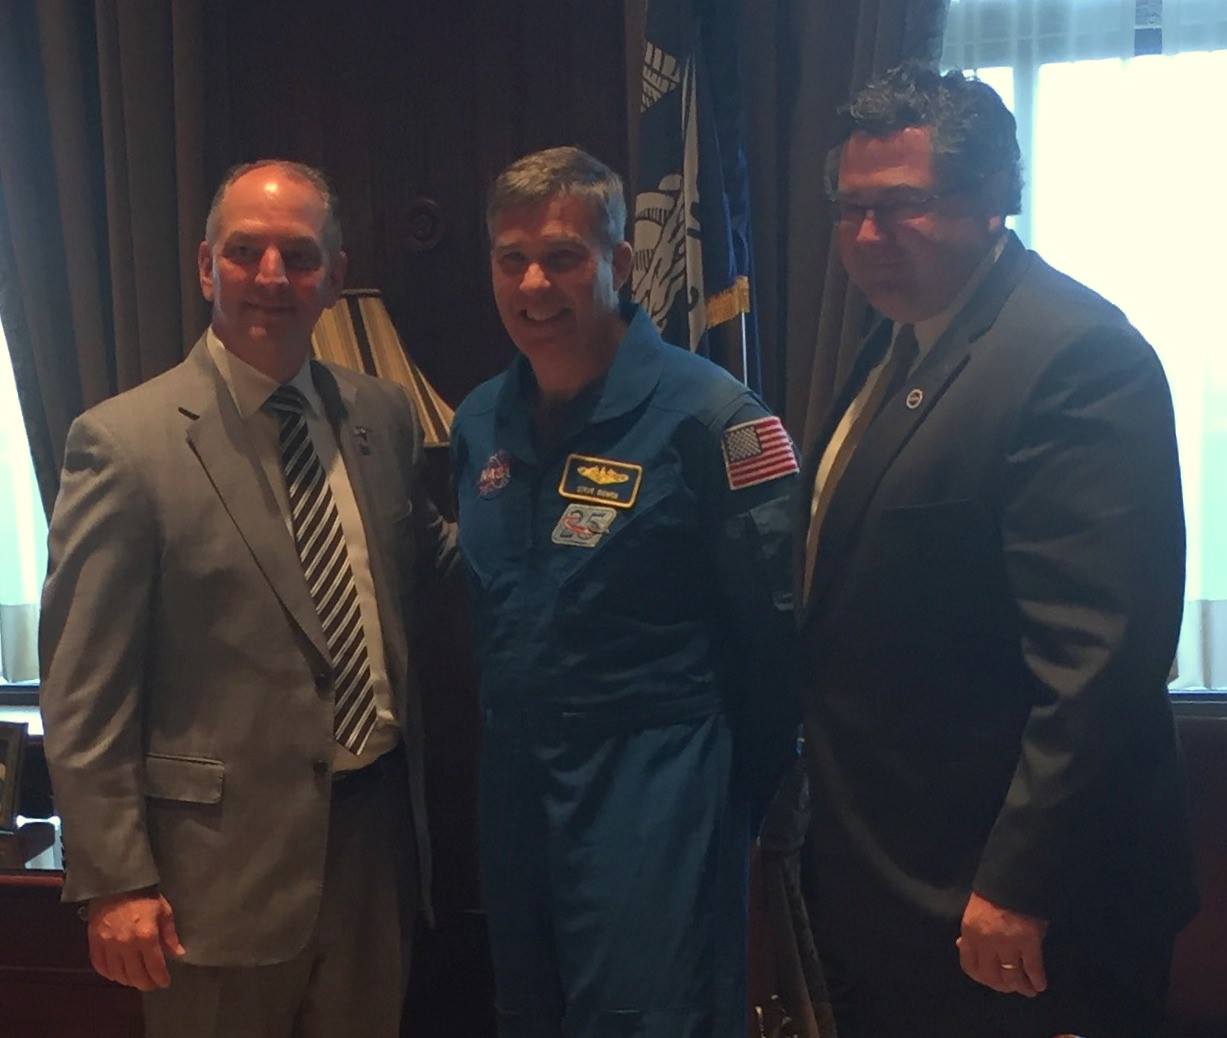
(973, 133)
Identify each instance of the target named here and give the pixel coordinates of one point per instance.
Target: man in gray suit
(232, 720)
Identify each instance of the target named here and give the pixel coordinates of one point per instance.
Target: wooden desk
(47, 987)
(49, 990)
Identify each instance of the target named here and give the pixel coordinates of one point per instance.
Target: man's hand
(1001, 949)
(129, 936)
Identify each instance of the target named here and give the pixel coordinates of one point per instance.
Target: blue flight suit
(633, 619)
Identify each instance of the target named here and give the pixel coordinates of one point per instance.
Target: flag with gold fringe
(692, 214)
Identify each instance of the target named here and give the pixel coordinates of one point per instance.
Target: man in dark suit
(991, 574)
(233, 725)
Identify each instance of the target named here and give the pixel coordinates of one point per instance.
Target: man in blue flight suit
(624, 514)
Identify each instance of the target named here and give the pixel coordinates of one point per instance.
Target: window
(23, 538)
(1117, 105)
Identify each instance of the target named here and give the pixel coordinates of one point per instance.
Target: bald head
(295, 171)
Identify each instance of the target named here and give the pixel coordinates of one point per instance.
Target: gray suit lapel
(215, 432)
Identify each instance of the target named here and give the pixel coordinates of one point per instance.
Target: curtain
(104, 173)
(1105, 96)
(803, 58)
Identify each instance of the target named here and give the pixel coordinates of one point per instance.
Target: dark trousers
(1101, 989)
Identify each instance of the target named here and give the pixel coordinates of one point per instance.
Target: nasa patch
(495, 475)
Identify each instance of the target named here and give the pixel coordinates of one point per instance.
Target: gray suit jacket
(186, 690)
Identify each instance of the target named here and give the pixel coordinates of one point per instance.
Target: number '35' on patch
(583, 526)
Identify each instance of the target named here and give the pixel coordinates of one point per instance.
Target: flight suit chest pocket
(646, 561)
(191, 780)
(494, 532)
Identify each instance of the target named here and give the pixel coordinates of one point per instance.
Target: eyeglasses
(888, 212)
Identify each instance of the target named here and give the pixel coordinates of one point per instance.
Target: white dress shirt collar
(250, 388)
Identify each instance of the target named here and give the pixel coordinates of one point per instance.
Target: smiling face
(556, 284)
(268, 273)
(912, 260)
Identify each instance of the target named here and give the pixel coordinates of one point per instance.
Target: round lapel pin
(914, 399)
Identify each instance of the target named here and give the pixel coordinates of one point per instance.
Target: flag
(757, 452)
(692, 215)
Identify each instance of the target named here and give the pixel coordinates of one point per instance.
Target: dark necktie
(895, 369)
(325, 562)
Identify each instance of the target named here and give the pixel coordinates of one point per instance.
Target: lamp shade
(357, 332)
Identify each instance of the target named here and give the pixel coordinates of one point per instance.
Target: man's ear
(623, 258)
(337, 265)
(993, 200)
(204, 267)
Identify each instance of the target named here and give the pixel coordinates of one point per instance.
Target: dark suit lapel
(364, 449)
(869, 354)
(903, 413)
(216, 433)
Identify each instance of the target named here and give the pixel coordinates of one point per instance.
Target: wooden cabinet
(47, 986)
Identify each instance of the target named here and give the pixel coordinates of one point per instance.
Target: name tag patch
(583, 525)
(601, 481)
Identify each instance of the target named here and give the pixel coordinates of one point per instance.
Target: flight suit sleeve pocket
(757, 553)
(192, 780)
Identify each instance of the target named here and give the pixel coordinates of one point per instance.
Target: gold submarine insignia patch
(601, 475)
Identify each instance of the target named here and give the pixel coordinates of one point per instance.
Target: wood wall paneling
(402, 101)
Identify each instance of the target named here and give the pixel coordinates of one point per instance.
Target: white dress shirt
(250, 389)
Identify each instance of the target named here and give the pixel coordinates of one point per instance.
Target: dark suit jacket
(995, 605)
(186, 688)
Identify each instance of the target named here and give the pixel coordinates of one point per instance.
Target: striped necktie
(878, 388)
(325, 562)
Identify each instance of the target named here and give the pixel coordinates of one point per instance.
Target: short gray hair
(299, 171)
(543, 175)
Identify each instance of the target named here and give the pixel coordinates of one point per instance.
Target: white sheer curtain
(23, 537)
(1119, 106)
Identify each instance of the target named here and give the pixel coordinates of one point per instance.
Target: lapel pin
(914, 399)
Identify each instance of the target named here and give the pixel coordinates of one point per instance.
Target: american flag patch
(757, 451)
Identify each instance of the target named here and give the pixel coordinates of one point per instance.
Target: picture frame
(12, 750)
